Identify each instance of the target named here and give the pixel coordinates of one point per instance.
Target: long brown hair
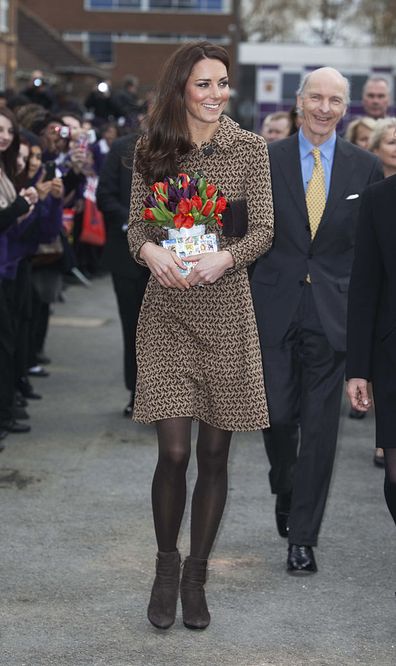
(167, 134)
(9, 156)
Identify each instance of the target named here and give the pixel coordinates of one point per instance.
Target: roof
(40, 46)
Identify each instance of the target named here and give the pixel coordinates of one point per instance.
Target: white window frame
(4, 15)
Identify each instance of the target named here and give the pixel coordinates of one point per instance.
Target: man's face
(274, 130)
(322, 104)
(376, 99)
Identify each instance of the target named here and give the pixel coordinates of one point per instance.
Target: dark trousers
(129, 293)
(7, 350)
(19, 297)
(304, 381)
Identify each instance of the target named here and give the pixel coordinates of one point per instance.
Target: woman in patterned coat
(198, 350)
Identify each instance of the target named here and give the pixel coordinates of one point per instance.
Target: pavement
(78, 548)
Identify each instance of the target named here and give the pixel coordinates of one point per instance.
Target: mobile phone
(50, 168)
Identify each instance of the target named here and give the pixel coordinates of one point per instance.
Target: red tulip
(210, 190)
(179, 220)
(188, 221)
(220, 205)
(184, 206)
(207, 209)
(148, 214)
(196, 202)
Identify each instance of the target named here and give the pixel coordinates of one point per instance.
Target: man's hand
(358, 394)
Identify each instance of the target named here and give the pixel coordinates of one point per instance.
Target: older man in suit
(300, 296)
(129, 279)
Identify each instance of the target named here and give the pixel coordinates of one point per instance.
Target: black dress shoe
(20, 400)
(282, 512)
(20, 413)
(301, 560)
(129, 408)
(15, 427)
(42, 359)
(38, 371)
(26, 389)
(356, 414)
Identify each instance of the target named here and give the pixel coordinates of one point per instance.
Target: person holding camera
(13, 210)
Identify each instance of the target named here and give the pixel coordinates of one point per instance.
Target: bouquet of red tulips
(184, 202)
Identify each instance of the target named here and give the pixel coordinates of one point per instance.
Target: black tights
(169, 483)
(390, 480)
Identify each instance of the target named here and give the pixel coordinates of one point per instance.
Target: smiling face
(23, 156)
(323, 104)
(6, 133)
(206, 94)
(363, 136)
(386, 151)
(35, 161)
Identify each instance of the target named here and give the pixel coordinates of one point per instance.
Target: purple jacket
(42, 226)
(8, 218)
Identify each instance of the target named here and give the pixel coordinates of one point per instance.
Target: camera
(50, 170)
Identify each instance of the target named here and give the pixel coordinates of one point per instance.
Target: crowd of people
(263, 320)
(51, 158)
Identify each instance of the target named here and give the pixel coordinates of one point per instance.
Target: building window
(198, 5)
(4, 22)
(100, 47)
(113, 4)
(219, 6)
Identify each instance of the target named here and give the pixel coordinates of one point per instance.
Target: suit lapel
(289, 161)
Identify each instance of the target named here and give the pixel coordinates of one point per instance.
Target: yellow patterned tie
(315, 195)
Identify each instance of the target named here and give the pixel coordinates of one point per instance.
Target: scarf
(7, 191)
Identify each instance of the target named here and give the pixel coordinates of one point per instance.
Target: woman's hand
(57, 189)
(210, 267)
(164, 265)
(31, 195)
(358, 394)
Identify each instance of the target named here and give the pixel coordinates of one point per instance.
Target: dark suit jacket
(372, 294)
(113, 198)
(280, 274)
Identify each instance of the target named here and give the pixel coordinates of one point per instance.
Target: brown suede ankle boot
(192, 593)
(162, 607)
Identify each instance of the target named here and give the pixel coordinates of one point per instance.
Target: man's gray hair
(376, 78)
(305, 81)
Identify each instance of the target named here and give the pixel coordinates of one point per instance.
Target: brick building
(8, 61)
(136, 36)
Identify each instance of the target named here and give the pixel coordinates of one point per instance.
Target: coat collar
(289, 159)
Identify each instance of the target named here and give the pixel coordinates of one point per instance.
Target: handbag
(48, 253)
(235, 219)
(93, 229)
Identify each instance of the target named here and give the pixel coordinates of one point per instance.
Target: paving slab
(78, 548)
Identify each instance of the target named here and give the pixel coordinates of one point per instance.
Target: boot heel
(192, 593)
(162, 607)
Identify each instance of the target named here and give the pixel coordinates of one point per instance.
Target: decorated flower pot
(183, 232)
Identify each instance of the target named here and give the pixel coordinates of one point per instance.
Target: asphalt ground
(78, 547)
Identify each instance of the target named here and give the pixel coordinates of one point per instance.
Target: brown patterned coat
(198, 350)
